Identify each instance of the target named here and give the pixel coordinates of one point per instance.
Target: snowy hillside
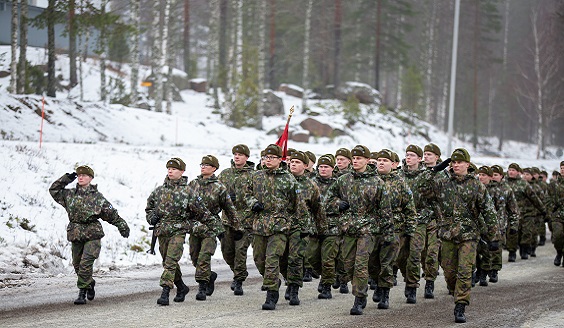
(128, 148)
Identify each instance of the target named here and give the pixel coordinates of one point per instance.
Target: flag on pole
(283, 140)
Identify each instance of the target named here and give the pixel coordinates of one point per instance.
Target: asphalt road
(529, 294)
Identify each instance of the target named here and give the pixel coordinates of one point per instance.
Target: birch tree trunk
(261, 60)
(51, 82)
(157, 55)
(102, 49)
(135, 23)
(186, 34)
(14, 48)
(72, 44)
(539, 86)
(168, 44)
(503, 107)
(23, 48)
(337, 40)
(429, 108)
(307, 31)
(213, 51)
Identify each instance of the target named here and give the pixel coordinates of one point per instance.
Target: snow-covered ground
(128, 148)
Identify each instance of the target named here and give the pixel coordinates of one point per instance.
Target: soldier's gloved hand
(493, 246)
(154, 220)
(220, 236)
(257, 207)
(124, 232)
(513, 231)
(232, 196)
(443, 165)
(238, 235)
(71, 176)
(343, 206)
(303, 235)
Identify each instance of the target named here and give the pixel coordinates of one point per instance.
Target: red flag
(283, 140)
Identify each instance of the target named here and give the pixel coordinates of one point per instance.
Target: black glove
(124, 232)
(238, 235)
(154, 220)
(303, 235)
(220, 236)
(513, 231)
(493, 246)
(443, 165)
(257, 207)
(71, 176)
(343, 206)
(232, 196)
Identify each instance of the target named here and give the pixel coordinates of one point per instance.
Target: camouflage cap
(210, 160)
(460, 154)
(326, 160)
(497, 169)
(360, 150)
(486, 170)
(273, 149)
(535, 170)
(241, 149)
(344, 152)
(562, 163)
(301, 156)
(85, 169)
(472, 168)
(515, 166)
(374, 155)
(385, 153)
(527, 170)
(415, 149)
(311, 156)
(556, 173)
(395, 156)
(433, 149)
(543, 172)
(176, 163)
(290, 152)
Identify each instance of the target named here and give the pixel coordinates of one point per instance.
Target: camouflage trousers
(483, 257)
(430, 253)
(201, 251)
(292, 261)
(312, 259)
(339, 266)
(497, 261)
(355, 253)
(409, 257)
(539, 230)
(267, 253)
(525, 235)
(382, 258)
(457, 260)
(558, 236)
(322, 254)
(171, 249)
(83, 256)
(235, 253)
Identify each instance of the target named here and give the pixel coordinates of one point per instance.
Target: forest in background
(510, 72)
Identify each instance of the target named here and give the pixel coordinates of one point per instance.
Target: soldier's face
(174, 174)
(460, 167)
(272, 162)
(562, 170)
(325, 171)
(372, 161)
(239, 159)
(430, 158)
(497, 177)
(384, 165)
(207, 170)
(342, 162)
(484, 178)
(297, 167)
(527, 176)
(513, 173)
(84, 180)
(359, 163)
(395, 165)
(543, 177)
(411, 159)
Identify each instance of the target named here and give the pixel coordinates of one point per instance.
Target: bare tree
(261, 59)
(169, 45)
(22, 61)
(337, 42)
(306, 55)
(102, 51)
(14, 48)
(135, 23)
(157, 55)
(51, 57)
(72, 43)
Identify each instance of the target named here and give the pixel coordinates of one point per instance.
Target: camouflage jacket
(176, 207)
(333, 225)
(505, 206)
(467, 209)
(403, 207)
(337, 173)
(370, 207)
(312, 214)
(216, 199)
(84, 206)
(528, 201)
(541, 193)
(416, 181)
(556, 200)
(237, 181)
(277, 191)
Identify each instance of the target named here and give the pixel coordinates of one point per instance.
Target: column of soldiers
(356, 217)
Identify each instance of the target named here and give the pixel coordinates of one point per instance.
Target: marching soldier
(556, 207)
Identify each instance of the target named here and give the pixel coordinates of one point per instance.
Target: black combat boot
(542, 240)
(476, 276)
(238, 290)
(287, 292)
(233, 283)
(532, 252)
(163, 300)
(336, 284)
(429, 289)
(325, 292)
(314, 274)
(202, 288)
(493, 276)
(459, 316)
(294, 289)
(385, 300)
(271, 300)
(307, 276)
(411, 295)
(344, 288)
(181, 291)
(211, 284)
(473, 282)
(512, 256)
(558, 259)
(319, 287)
(372, 284)
(91, 293)
(81, 297)
(357, 306)
(524, 252)
(483, 278)
(377, 297)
